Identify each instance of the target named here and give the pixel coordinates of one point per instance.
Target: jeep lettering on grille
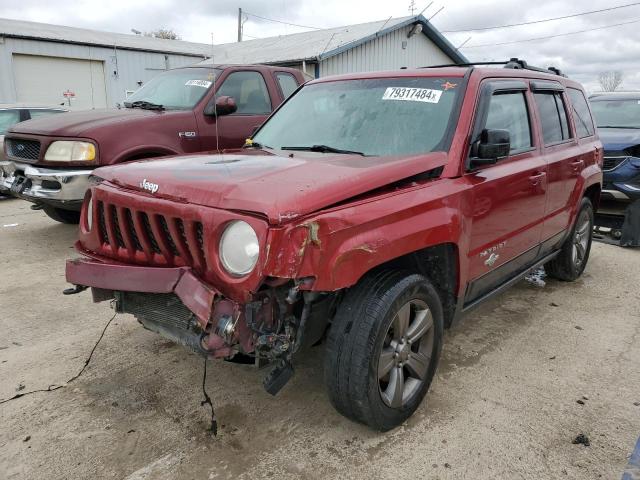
(151, 187)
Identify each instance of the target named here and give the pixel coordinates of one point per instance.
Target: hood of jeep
(85, 123)
(281, 187)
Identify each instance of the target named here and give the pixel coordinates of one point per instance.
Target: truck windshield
(618, 113)
(375, 117)
(178, 89)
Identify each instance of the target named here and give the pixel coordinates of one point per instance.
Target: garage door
(43, 80)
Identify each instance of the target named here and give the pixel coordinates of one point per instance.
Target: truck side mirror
(223, 105)
(493, 145)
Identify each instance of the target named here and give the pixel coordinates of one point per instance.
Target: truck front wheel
(63, 216)
(383, 348)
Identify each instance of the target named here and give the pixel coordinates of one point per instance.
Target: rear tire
(574, 254)
(70, 217)
(383, 348)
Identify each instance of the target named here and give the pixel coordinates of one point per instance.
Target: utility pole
(239, 24)
(412, 7)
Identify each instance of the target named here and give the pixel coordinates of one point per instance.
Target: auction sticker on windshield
(198, 83)
(412, 94)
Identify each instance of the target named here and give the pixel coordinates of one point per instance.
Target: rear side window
(553, 116)
(249, 91)
(508, 111)
(8, 118)
(287, 83)
(581, 114)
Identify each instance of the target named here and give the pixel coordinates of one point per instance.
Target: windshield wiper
(144, 105)
(323, 149)
(618, 126)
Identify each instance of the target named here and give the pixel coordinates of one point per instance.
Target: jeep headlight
(239, 248)
(70, 151)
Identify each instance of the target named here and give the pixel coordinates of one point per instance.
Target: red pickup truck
(371, 210)
(185, 110)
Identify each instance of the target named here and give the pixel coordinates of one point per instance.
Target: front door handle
(536, 178)
(577, 164)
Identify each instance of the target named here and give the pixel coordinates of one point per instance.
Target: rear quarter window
(581, 113)
(287, 82)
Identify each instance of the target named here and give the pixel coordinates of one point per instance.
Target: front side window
(8, 118)
(553, 117)
(287, 82)
(378, 117)
(616, 113)
(178, 89)
(581, 114)
(508, 111)
(249, 91)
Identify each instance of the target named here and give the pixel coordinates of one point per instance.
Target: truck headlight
(239, 248)
(70, 151)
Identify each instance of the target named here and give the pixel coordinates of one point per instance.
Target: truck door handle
(536, 178)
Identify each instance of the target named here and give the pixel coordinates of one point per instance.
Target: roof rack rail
(514, 63)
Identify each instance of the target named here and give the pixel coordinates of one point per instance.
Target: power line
(553, 36)
(541, 21)
(280, 21)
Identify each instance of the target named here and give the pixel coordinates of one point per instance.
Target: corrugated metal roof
(313, 45)
(58, 33)
(319, 44)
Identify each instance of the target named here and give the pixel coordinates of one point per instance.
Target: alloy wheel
(581, 239)
(406, 354)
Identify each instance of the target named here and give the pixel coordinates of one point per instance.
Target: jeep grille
(129, 232)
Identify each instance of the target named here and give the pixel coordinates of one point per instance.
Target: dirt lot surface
(504, 403)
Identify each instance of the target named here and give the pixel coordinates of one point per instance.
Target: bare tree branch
(610, 81)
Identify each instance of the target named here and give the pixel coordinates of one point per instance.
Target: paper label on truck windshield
(198, 83)
(412, 94)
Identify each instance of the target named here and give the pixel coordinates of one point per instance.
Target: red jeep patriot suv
(370, 210)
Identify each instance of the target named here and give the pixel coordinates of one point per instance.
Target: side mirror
(493, 145)
(223, 106)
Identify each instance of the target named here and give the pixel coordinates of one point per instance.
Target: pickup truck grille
(162, 239)
(20, 148)
(613, 159)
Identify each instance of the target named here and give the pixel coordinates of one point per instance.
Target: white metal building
(382, 45)
(40, 63)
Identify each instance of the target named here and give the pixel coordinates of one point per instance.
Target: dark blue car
(618, 119)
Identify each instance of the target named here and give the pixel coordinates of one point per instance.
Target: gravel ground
(504, 403)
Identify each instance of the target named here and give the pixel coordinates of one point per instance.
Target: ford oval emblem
(20, 147)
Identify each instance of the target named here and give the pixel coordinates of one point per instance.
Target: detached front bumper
(172, 302)
(63, 188)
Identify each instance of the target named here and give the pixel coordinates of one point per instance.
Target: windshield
(390, 116)
(175, 89)
(622, 113)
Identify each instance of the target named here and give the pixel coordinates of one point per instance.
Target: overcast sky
(582, 56)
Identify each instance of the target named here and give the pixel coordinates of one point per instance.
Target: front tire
(71, 217)
(383, 348)
(574, 254)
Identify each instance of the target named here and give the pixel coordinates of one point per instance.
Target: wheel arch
(592, 192)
